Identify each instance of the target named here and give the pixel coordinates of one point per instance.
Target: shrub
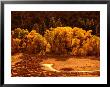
(35, 43)
(17, 39)
(28, 42)
(15, 45)
(19, 33)
(60, 40)
(75, 41)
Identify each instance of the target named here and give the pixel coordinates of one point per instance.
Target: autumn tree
(74, 41)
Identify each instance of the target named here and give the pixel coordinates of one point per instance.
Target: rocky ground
(25, 65)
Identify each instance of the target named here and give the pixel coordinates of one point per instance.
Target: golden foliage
(60, 40)
(75, 41)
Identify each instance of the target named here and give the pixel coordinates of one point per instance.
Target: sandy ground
(76, 64)
(25, 65)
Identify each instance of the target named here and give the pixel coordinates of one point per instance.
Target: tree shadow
(66, 57)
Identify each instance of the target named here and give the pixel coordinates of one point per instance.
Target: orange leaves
(60, 40)
(82, 52)
(31, 42)
(48, 47)
(76, 41)
(15, 44)
(37, 42)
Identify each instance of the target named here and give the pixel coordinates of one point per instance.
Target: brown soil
(16, 58)
(76, 64)
(25, 65)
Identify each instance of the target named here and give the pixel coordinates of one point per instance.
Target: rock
(48, 67)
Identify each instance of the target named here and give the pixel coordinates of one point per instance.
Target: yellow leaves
(75, 51)
(47, 31)
(73, 42)
(33, 32)
(38, 42)
(48, 47)
(17, 30)
(15, 44)
(24, 45)
(17, 41)
(29, 36)
(59, 40)
(77, 41)
(82, 52)
(19, 33)
(90, 31)
(65, 38)
(90, 48)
